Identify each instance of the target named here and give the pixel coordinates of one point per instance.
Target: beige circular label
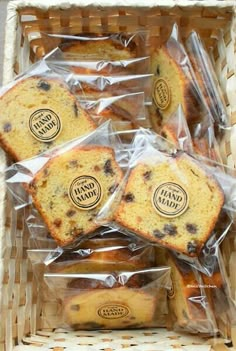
(111, 311)
(161, 93)
(85, 192)
(45, 125)
(170, 200)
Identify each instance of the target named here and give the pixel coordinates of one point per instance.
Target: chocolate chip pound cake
(171, 88)
(93, 304)
(174, 203)
(72, 187)
(189, 304)
(39, 113)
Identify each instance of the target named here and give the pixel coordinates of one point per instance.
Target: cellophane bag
(207, 79)
(119, 300)
(110, 46)
(69, 184)
(175, 83)
(176, 131)
(39, 108)
(90, 65)
(127, 113)
(88, 87)
(172, 199)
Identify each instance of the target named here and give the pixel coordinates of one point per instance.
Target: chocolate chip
(51, 203)
(75, 307)
(158, 234)
(73, 164)
(158, 70)
(107, 168)
(163, 134)
(46, 172)
(129, 197)
(70, 213)
(192, 247)
(76, 110)
(42, 84)
(96, 168)
(191, 228)
(7, 127)
(57, 222)
(147, 175)
(112, 189)
(170, 229)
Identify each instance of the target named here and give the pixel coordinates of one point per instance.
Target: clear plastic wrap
(68, 185)
(89, 87)
(112, 301)
(129, 66)
(127, 113)
(190, 308)
(39, 108)
(173, 200)
(115, 46)
(175, 83)
(207, 79)
(176, 131)
(107, 251)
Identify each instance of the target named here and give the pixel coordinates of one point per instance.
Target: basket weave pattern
(20, 306)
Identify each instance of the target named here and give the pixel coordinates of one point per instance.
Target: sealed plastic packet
(174, 83)
(112, 301)
(172, 200)
(207, 79)
(190, 308)
(176, 131)
(127, 113)
(129, 66)
(39, 111)
(112, 46)
(205, 142)
(88, 87)
(107, 251)
(68, 185)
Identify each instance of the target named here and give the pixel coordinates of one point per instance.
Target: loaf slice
(29, 110)
(174, 203)
(93, 304)
(188, 303)
(103, 49)
(72, 187)
(171, 88)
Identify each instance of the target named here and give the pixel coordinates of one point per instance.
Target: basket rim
(62, 4)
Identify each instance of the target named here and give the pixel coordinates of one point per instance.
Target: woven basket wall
(215, 21)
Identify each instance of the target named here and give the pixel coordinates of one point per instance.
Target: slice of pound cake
(92, 304)
(72, 187)
(171, 88)
(39, 113)
(175, 203)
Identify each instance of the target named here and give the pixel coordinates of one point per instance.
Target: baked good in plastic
(108, 253)
(38, 113)
(172, 201)
(71, 188)
(189, 305)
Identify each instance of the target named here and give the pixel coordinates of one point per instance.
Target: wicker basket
(22, 326)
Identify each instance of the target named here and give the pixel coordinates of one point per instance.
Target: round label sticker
(45, 125)
(161, 94)
(170, 200)
(85, 192)
(115, 311)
